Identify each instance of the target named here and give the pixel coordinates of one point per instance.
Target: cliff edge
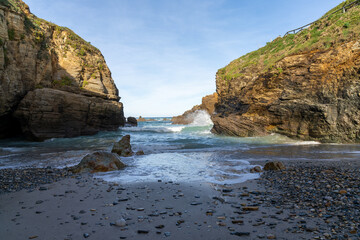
(305, 85)
(52, 82)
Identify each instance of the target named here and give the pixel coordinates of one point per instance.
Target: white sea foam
(201, 118)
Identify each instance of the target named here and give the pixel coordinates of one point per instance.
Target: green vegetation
(11, 34)
(101, 66)
(323, 34)
(93, 75)
(85, 82)
(65, 81)
(1, 42)
(14, 5)
(6, 58)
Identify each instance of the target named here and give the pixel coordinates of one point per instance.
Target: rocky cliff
(37, 57)
(305, 85)
(207, 104)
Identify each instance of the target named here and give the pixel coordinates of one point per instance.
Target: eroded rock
(123, 147)
(49, 113)
(99, 162)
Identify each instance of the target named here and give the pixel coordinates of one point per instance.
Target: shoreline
(302, 202)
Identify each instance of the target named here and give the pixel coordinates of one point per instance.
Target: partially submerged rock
(123, 147)
(139, 153)
(99, 162)
(274, 166)
(131, 121)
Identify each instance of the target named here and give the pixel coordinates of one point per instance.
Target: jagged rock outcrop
(207, 104)
(310, 92)
(123, 147)
(36, 54)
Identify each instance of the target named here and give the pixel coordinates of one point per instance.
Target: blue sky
(164, 54)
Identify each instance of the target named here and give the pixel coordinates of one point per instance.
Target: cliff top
(34, 24)
(324, 33)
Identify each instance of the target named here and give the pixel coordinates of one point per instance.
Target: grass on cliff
(37, 27)
(323, 34)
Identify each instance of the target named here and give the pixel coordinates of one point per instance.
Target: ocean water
(173, 152)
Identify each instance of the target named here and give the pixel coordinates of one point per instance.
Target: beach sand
(80, 206)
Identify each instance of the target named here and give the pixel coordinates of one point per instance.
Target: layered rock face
(207, 104)
(305, 85)
(47, 113)
(315, 96)
(37, 57)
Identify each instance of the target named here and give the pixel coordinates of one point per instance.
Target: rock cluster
(37, 57)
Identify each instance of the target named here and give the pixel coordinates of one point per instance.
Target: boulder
(123, 147)
(98, 162)
(274, 166)
(131, 121)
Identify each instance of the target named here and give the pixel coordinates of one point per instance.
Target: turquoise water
(173, 152)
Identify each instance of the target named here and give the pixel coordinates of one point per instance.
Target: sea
(179, 153)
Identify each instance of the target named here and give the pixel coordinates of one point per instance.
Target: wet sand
(79, 207)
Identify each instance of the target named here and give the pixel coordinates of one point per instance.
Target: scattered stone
(271, 236)
(86, 235)
(256, 169)
(33, 237)
(120, 222)
(240, 234)
(250, 208)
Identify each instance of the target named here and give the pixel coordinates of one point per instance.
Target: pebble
(120, 222)
(240, 234)
(143, 231)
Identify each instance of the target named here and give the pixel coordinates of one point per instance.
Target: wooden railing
(343, 9)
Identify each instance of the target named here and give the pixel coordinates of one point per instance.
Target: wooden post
(344, 10)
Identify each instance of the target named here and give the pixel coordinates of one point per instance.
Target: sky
(164, 54)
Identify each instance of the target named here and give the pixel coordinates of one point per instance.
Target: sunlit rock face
(315, 96)
(39, 55)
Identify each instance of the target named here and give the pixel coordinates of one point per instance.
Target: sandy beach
(80, 206)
